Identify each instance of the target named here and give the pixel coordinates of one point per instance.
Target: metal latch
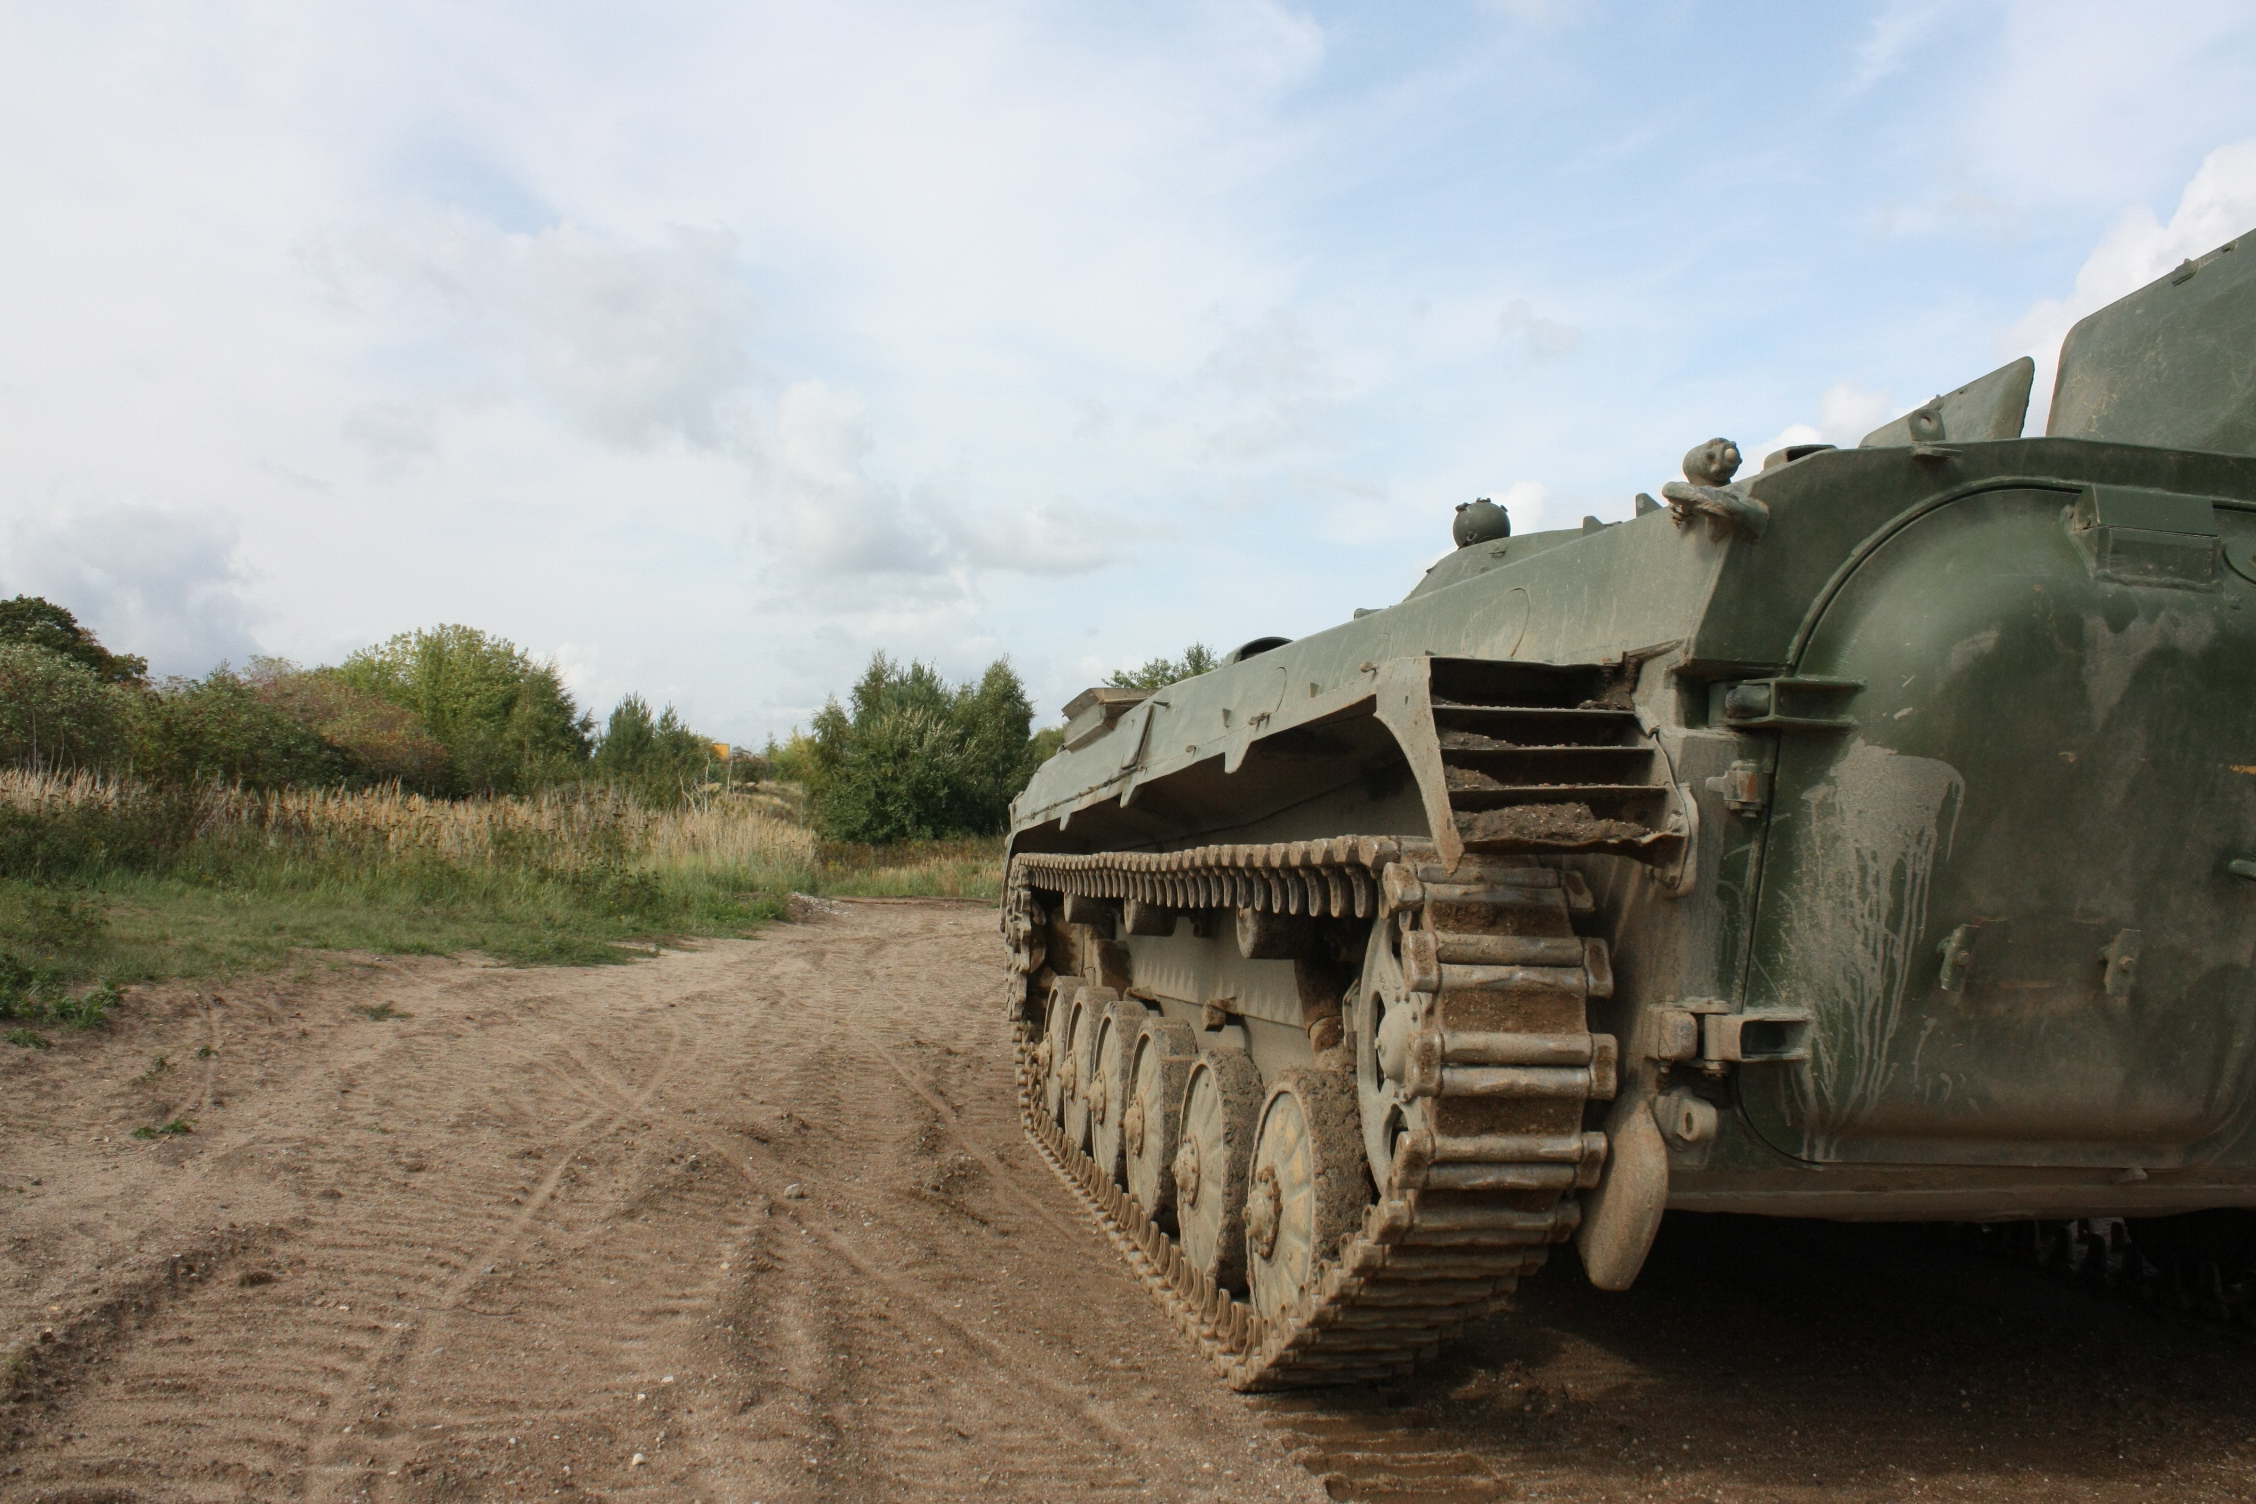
(1754, 1038)
(1790, 702)
(2139, 537)
(2121, 957)
(1741, 785)
(1704, 1031)
(1958, 956)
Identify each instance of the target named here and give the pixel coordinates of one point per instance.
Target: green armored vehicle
(1872, 837)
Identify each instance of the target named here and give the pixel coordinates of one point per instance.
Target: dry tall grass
(750, 840)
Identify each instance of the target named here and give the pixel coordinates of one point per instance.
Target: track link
(2196, 1264)
(1502, 1066)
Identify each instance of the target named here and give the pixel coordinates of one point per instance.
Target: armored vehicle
(1871, 837)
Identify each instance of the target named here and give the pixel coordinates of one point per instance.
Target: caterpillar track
(1474, 986)
(2197, 1264)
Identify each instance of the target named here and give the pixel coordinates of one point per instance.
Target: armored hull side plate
(2006, 898)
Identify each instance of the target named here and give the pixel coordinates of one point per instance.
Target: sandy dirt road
(533, 1234)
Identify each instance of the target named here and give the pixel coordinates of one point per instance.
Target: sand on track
(530, 1225)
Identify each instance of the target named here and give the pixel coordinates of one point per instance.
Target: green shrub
(55, 712)
(220, 729)
(916, 760)
(33, 990)
(790, 761)
(506, 720)
(90, 1009)
(378, 741)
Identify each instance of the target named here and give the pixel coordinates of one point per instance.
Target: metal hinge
(1741, 785)
(1786, 703)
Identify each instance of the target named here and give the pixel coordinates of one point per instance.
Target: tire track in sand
(556, 1191)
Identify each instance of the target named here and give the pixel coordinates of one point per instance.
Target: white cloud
(1050, 538)
(1544, 339)
(627, 342)
(146, 581)
(2074, 99)
(396, 436)
(1845, 413)
(1534, 13)
(2217, 204)
(821, 507)
(1528, 502)
(830, 519)
(1897, 31)
(1276, 391)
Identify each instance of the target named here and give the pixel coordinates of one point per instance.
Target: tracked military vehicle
(1869, 837)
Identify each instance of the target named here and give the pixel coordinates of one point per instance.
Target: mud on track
(502, 1246)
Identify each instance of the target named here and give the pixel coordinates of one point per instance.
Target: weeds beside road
(108, 882)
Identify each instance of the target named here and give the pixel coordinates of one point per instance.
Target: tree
(1198, 658)
(56, 712)
(505, 718)
(911, 758)
(628, 738)
(994, 718)
(43, 624)
(658, 758)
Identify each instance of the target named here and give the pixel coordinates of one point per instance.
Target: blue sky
(710, 348)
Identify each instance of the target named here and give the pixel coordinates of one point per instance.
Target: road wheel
(1111, 1054)
(1080, 1034)
(1221, 1106)
(1307, 1188)
(1152, 1128)
(1382, 1015)
(1050, 1055)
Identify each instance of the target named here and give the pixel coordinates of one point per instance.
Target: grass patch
(172, 1129)
(112, 883)
(376, 1013)
(914, 869)
(53, 957)
(29, 1039)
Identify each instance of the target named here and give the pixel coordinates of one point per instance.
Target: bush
(380, 742)
(916, 760)
(506, 720)
(57, 713)
(221, 729)
(791, 761)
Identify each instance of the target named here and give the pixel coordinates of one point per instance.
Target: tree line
(454, 712)
(449, 711)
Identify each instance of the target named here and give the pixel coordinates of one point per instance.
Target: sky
(709, 349)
